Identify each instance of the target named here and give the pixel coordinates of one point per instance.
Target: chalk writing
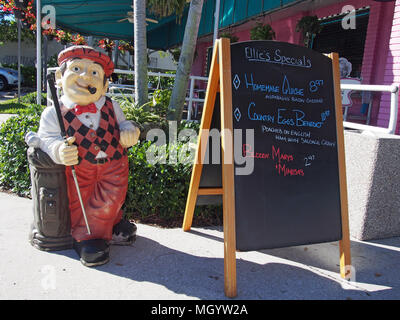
(265, 129)
(296, 118)
(308, 160)
(258, 117)
(325, 115)
(315, 85)
(276, 154)
(287, 89)
(263, 87)
(282, 169)
(248, 152)
(263, 55)
(291, 61)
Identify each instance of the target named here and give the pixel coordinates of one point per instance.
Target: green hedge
(14, 171)
(12, 105)
(156, 189)
(156, 194)
(28, 72)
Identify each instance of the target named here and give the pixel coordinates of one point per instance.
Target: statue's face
(79, 76)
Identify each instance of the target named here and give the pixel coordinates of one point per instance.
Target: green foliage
(52, 61)
(30, 98)
(156, 189)
(12, 105)
(140, 114)
(262, 32)
(176, 53)
(161, 100)
(28, 72)
(165, 8)
(162, 83)
(308, 26)
(230, 36)
(14, 170)
(9, 32)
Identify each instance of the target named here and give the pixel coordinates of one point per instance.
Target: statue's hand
(68, 152)
(128, 138)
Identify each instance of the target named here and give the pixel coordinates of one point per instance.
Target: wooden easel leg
(195, 181)
(227, 169)
(344, 244)
(208, 109)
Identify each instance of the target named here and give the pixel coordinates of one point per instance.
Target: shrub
(28, 72)
(30, 98)
(262, 32)
(156, 192)
(14, 170)
(161, 100)
(140, 114)
(230, 36)
(156, 189)
(12, 105)
(162, 82)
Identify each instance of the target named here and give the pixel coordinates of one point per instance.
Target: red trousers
(103, 188)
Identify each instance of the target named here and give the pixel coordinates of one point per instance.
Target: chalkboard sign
(212, 172)
(278, 108)
(285, 94)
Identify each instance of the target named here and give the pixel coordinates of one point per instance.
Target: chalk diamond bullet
(237, 114)
(236, 82)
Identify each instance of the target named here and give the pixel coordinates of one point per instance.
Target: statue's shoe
(124, 233)
(94, 252)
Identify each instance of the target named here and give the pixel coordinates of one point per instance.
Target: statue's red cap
(86, 52)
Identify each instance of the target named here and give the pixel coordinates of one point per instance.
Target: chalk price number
(308, 160)
(315, 84)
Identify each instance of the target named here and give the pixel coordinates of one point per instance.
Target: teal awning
(102, 18)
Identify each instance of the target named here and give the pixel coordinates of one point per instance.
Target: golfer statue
(93, 151)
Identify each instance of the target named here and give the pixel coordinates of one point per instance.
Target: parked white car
(8, 78)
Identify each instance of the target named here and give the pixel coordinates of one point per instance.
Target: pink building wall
(381, 51)
(392, 67)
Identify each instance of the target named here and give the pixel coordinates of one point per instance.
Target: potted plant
(229, 35)
(126, 46)
(50, 33)
(78, 40)
(308, 26)
(108, 45)
(262, 32)
(64, 37)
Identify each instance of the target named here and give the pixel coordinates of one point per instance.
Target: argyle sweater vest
(90, 142)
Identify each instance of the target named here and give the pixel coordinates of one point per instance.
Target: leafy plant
(30, 98)
(161, 101)
(176, 53)
(156, 192)
(262, 32)
(162, 82)
(308, 26)
(28, 72)
(140, 114)
(14, 170)
(156, 189)
(230, 36)
(12, 105)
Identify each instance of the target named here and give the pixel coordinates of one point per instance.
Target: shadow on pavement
(203, 277)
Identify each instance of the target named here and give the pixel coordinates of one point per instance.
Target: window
(349, 43)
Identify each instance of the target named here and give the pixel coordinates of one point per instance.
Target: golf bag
(51, 227)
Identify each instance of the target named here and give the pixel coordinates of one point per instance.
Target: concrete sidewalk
(172, 264)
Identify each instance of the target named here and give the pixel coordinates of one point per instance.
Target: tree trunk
(140, 47)
(178, 95)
